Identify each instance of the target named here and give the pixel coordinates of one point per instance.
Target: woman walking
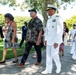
(10, 37)
(64, 37)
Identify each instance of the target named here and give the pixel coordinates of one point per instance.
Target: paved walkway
(68, 66)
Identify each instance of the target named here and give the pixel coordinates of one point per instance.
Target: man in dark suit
(24, 31)
(1, 32)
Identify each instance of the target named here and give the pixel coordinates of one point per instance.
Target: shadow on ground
(68, 66)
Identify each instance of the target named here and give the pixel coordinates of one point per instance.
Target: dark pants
(1, 34)
(41, 45)
(22, 40)
(27, 51)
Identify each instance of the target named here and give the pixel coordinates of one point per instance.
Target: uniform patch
(52, 26)
(54, 20)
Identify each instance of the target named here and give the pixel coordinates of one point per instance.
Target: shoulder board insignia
(57, 16)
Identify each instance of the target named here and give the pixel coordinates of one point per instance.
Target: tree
(40, 5)
(20, 20)
(71, 21)
(10, 2)
(2, 19)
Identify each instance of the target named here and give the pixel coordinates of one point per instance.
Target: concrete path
(68, 66)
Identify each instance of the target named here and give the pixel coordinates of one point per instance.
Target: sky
(68, 13)
(65, 14)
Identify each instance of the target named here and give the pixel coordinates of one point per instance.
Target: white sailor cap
(51, 7)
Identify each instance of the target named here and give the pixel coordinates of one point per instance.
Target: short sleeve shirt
(34, 27)
(72, 32)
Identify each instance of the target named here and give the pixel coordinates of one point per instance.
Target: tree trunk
(44, 7)
(44, 13)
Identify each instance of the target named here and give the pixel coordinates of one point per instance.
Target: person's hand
(38, 42)
(26, 40)
(44, 43)
(13, 41)
(55, 45)
(64, 33)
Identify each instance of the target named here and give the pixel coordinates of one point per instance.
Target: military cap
(51, 7)
(32, 10)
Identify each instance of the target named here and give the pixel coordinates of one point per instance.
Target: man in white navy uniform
(53, 38)
(72, 33)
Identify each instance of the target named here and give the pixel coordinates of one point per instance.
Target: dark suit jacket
(1, 32)
(24, 31)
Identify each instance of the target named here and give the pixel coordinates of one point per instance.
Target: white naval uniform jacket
(54, 30)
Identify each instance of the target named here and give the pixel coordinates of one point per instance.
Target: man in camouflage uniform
(33, 37)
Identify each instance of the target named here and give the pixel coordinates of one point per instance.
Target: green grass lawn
(20, 51)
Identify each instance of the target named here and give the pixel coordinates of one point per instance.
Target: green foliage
(40, 5)
(2, 19)
(5, 2)
(20, 20)
(71, 21)
(20, 51)
(37, 4)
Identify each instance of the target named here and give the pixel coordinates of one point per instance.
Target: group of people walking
(52, 38)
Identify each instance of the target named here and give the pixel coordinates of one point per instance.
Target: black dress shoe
(1, 62)
(62, 54)
(15, 61)
(38, 63)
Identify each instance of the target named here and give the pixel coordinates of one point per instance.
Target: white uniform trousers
(74, 53)
(52, 54)
(73, 47)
